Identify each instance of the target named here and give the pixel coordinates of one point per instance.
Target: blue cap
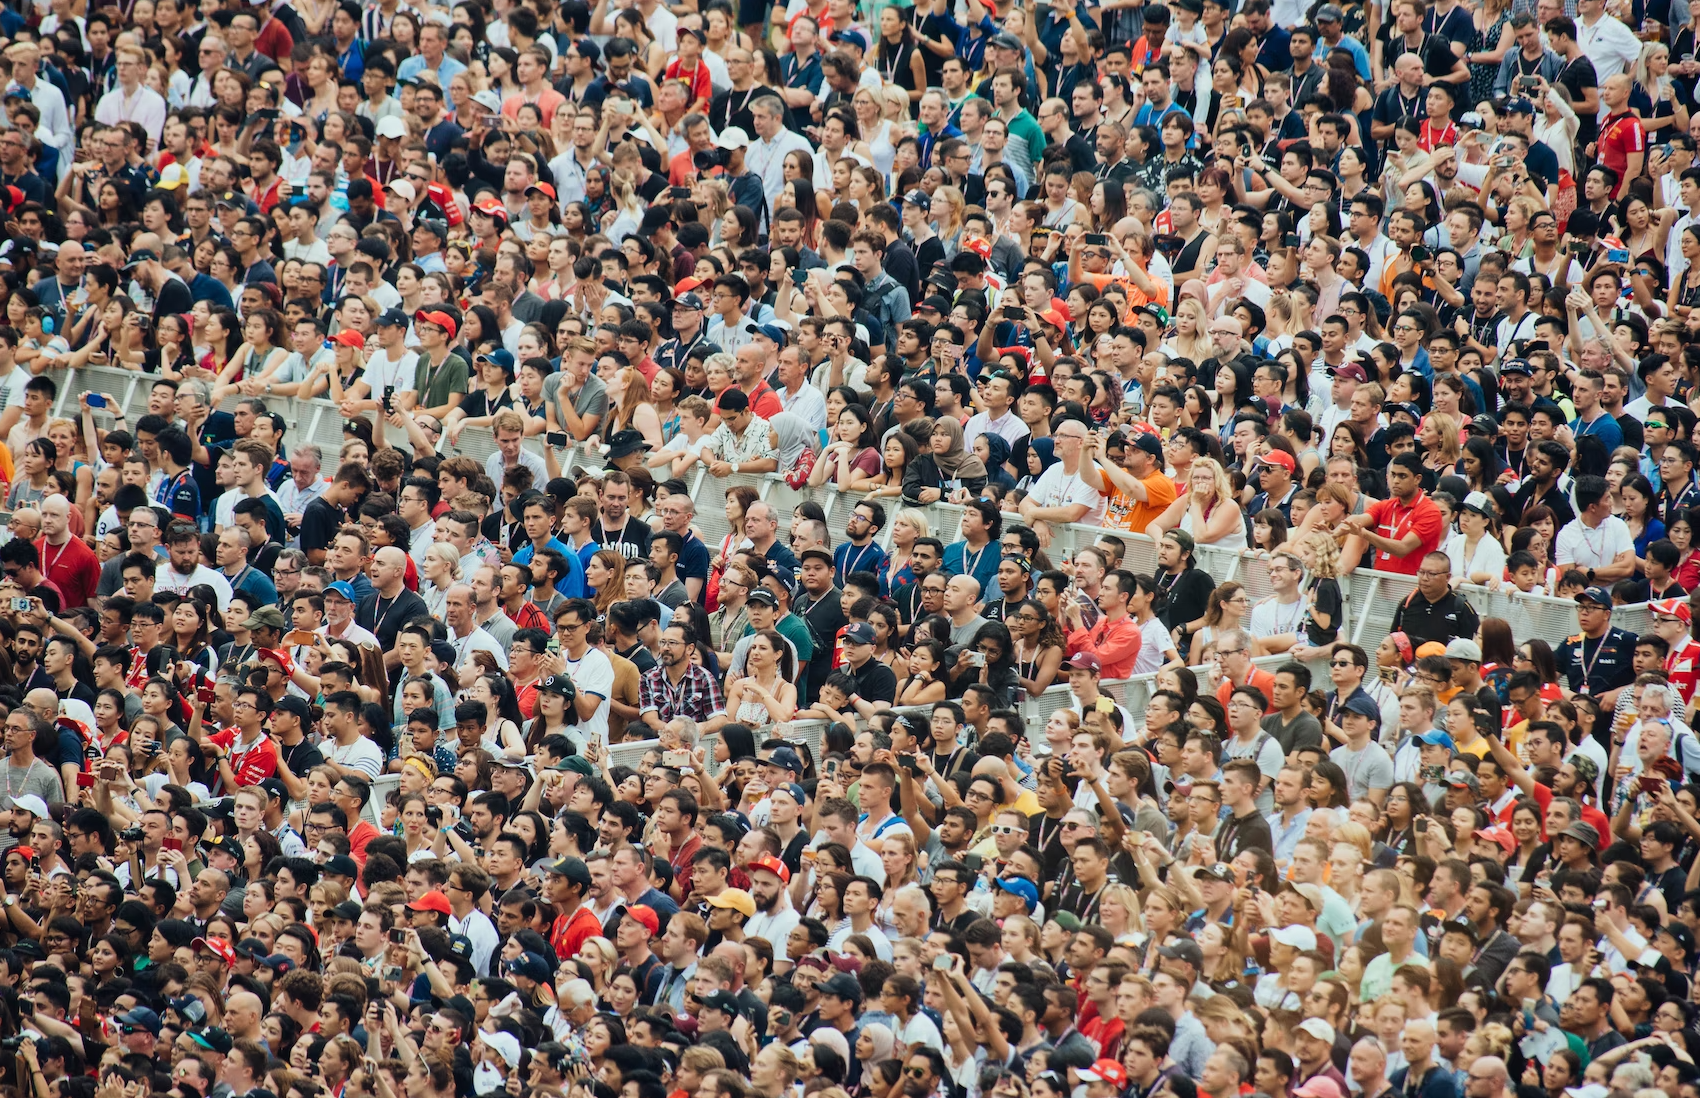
(794, 790)
(785, 758)
(532, 966)
(851, 35)
(1436, 736)
(1599, 596)
(775, 333)
(502, 357)
(140, 1016)
(1364, 705)
(343, 588)
(1020, 886)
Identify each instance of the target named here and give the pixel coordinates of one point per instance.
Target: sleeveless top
(1235, 538)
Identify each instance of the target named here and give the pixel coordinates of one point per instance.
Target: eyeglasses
(1005, 829)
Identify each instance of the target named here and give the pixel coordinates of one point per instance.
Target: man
(1245, 827)
(1600, 659)
(390, 605)
(1115, 640)
(1434, 612)
(1596, 542)
(1060, 495)
(676, 686)
(132, 100)
(66, 561)
(1404, 528)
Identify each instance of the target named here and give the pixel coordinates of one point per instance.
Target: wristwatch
(735, 469)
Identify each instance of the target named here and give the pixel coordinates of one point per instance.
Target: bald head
(42, 700)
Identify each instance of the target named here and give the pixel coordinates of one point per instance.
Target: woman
(1653, 98)
(1208, 511)
(738, 499)
(898, 58)
(263, 350)
(765, 695)
(1406, 804)
(926, 682)
(630, 407)
(1225, 610)
(898, 857)
(190, 629)
(1329, 788)
(502, 715)
(493, 392)
(907, 527)
(1475, 550)
(1440, 440)
(1038, 645)
(552, 716)
(625, 216)
(850, 458)
(896, 455)
(946, 469)
(1640, 513)
(1680, 533)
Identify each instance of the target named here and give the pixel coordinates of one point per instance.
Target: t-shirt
(384, 372)
(1371, 768)
(1593, 548)
(1394, 520)
(319, 525)
(1122, 512)
(435, 384)
(1057, 489)
(594, 674)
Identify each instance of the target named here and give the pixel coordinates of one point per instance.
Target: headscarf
(883, 1041)
(795, 436)
(1047, 450)
(956, 463)
(997, 449)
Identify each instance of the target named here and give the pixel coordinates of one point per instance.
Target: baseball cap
(1319, 1029)
(573, 869)
(1670, 608)
(785, 758)
(140, 1016)
(1299, 937)
(1435, 737)
(1318, 1086)
(856, 38)
(533, 966)
(1349, 370)
(1463, 779)
(433, 900)
(919, 199)
(1273, 457)
(214, 1039)
(646, 915)
(736, 899)
(843, 986)
(1085, 661)
(392, 318)
(1482, 504)
(440, 319)
(1462, 648)
(1519, 105)
(216, 946)
(32, 804)
(859, 633)
(732, 137)
(772, 865)
(391, 126)
(722, 1000)
(1019, 886)
(688, 300)
(342, 589)
(1519, 365)
(1364, 705)
(348, 909)
(403, 188)
(1105, 1071)
(1599, 596)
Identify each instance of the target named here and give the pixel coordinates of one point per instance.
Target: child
(689, 68)
(1662, 558)
(692, 444)
(833, 701)
(1186, 30)
(1524, 571)
(1571, 584)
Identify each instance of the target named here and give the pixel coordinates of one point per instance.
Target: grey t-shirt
(38, 778)
(1368, 769)
(592, 399)
(1305, 731)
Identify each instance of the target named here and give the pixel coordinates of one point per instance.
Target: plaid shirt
(697, 696)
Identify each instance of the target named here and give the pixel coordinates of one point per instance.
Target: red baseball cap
(1106, 1071)
(772, 865)
(218, 946)
(541, 188)
(440, 319)
(349, 337)
(646, 915)
(432, 901)
(492, 208)
(279, 657)
(1672, 608)
(1281, 458)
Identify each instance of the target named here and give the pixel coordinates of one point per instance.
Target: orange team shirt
(1123, 512)
(1263, 680)
(1135, 296)
(548, 103)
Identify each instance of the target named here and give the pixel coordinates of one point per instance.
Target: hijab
(997, 450)
(882, 1039)
(795, 436)
(955, 463)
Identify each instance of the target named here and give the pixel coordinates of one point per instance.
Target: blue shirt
(984, 567)
(849, 558)
(571, 585)
(447, 69)
(1605, 428)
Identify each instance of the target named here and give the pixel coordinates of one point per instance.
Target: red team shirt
(1394, 520)
(1620, 136)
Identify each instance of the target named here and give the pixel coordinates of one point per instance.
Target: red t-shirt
(252, 765)
(569, 932)
(1394, 520)
(700, 85)
(72, 568)
(1621, 135)
(1683, 668)
(1431, 138)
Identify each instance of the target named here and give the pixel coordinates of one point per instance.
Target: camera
(709, 159)
(464, 830)
(131, 834)
(12, 1044)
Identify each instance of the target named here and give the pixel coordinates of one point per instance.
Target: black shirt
(1424, 621)
(173, 299)
(319, 523)
(875, 682)
(1238, 833)
(1598, 666)
(630, 541)
(385, 617)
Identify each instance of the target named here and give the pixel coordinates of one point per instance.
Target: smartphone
(1649, 783)
(300, 636)
(85, 780)
(1529, 83)
(392, 973)
(557, 439)
(1014, 313)
(678, 192)
(942, 962)
(675, 758)
(20, 605)
(799, 276)
(554, 645)
(973, 863)
(169, 843)
(976, 659)
(204, 692)
(623, 106)
(1096, 238)
(1290, 240)
(1617, 255)
(907, 762)
(1421, 826)
(96, 400)
(389, 398)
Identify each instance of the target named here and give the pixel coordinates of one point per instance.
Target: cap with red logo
(646, 915)
(1672, 608)
(1281, 458)
(217, 946)
(490, 207)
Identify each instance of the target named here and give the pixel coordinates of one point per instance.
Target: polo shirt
(875, 682)
(1441, 621)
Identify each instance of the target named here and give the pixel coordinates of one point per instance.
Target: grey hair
(311, 449)
(201, 390)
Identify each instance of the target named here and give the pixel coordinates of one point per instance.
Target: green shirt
(1026, 127)
(434, 386)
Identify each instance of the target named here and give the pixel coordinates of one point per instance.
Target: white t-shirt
(479, 640)
(1273, 618)
(1155, 642)
(1489, 557)
(166, 578)
(1584, 548)
(594, 674)
(363, 755)
(12, 387)
(679, 444)
(1054, 488)
(382, 372)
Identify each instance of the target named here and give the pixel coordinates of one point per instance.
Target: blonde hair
(1324, 551)
(950, 198)
(917, 520)
(615, 589)
(1356, 834)
(1224, 488)
(718, 201)
(1197, 346)
(446, 553)
(1448, 430)
(1125, 896)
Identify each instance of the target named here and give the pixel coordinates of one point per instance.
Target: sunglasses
(1005, 829)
